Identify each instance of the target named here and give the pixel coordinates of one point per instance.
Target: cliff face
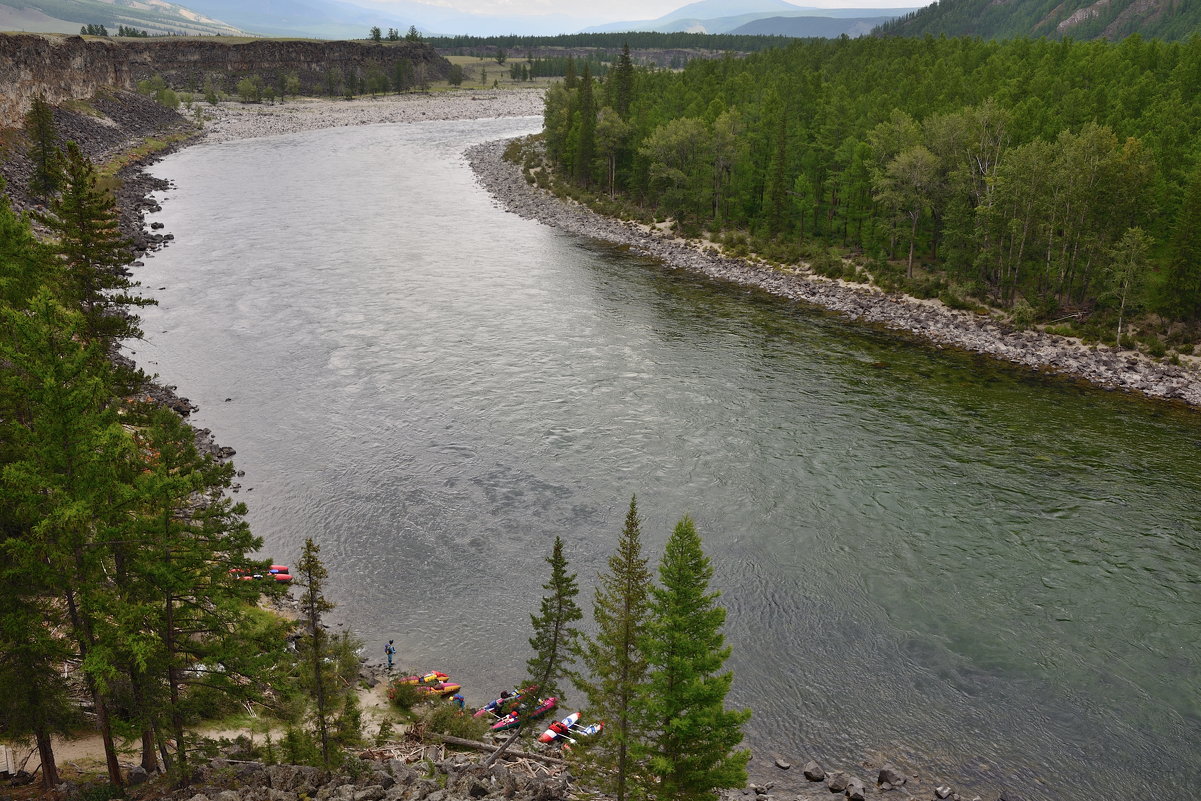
(62, 69)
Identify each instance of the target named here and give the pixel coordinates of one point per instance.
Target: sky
(615, 10)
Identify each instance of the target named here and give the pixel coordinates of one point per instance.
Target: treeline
(119, 544)
(638, 40)
(554, 67)
(1053, 177)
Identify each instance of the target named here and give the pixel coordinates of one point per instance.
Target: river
(983, 574)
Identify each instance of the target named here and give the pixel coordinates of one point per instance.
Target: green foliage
(212, 91)
(614, 662)
(250, 89)
(44, 150)
(1022, 315)
(446, 718)
(92, 250)
(1078, 19)
(404, 695)
(555, 635)
(691, 735)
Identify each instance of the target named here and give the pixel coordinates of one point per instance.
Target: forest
(638, 40)
(1055, 179)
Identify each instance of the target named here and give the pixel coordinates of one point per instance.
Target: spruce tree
(691, 735)
(1181, 294)
(93, 252)
(44, 150)
(622, 82)
(615, 664)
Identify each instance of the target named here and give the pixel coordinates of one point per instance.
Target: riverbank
(929, 320)
(229, 122)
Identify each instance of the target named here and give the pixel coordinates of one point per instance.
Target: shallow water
(984, 574)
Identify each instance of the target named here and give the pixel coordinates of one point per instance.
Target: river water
(991, 577)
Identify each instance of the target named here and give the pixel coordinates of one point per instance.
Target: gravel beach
(228, 122)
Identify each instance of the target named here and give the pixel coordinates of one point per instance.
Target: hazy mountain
(1079, 19)
(730, 16)
(68, 16)
(340, 19)
(802, 27)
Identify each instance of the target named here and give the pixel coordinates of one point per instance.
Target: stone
(227, 795)
(373, 793)
(891, 776)
(942, 791)
(855, 790)
(813, 771)
(837, 782)
(782, 765)
(137, 775)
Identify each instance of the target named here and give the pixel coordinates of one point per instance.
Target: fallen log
(446, 738)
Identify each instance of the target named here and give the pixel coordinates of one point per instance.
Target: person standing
(389, 651)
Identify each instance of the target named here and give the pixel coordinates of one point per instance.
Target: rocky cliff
(62, 69)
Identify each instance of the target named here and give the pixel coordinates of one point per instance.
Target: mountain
(337, 19)
(733, 16)
(805, 27)
(1078, 19)
(68, 16)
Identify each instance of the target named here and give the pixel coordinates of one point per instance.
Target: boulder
(813, 771)
(891, 776)
(837, 782)
(372, 793)
(942, 791)
(137, 775)
(855, 790)
(782, 765)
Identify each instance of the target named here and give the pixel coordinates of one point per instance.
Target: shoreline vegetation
(927, 319)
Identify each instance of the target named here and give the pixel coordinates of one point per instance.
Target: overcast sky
(614, 10)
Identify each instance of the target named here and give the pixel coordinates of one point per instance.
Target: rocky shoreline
(930, 321)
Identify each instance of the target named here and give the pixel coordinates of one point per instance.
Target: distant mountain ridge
(1078, 19)
(759, 17)
(68, 16)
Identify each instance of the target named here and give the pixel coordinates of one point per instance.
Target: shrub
(1022, 315)
(405, 696)
(1155, 346)
(446, 718)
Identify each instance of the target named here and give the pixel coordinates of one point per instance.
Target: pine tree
(691, 733)
(44, 150)
(614, 662)
(318, 673)
(93, 252)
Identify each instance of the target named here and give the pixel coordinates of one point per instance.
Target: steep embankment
(1078, 19)
(65, 69)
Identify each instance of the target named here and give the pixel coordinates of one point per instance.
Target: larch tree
(691, 736)
(44, 150)
(83, 218)
(554, 642)
(318, 673)
(614, 662)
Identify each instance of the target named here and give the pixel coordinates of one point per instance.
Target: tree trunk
(46, 754)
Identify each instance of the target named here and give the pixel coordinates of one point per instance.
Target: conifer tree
(1182, 288)
(622, 82)
(44, 150)
(585, 150)
(615, 664)
(318, 675)
(554, 641)
(93, 252)
(691, 735)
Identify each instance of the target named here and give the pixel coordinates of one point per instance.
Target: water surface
(984, 574)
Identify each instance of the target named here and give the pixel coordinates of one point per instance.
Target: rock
(137, 775)
(373, 793)
(21, 778)
(837, 782)
(890, 775)
(813, 771)
(782, 765)
(855, 790)
(227, 795)
(942, 791)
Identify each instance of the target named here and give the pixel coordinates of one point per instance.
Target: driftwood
(446, 738)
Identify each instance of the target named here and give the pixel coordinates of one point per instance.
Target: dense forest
(1060, 178)
(1171, 20)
